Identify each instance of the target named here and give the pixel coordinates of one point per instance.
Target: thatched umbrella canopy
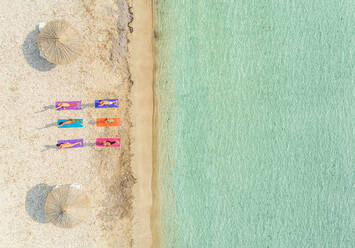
(67, 206)
(59, 42)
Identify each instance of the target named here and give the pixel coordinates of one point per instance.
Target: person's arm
(68, 122)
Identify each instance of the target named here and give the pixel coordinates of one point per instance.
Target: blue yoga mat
(72, 125)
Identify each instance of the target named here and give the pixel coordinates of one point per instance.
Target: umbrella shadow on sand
(36, 201)
(31, 52)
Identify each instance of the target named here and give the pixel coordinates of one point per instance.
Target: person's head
(58, 145)
(101, 102)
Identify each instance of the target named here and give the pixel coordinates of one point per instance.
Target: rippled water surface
(257, 117)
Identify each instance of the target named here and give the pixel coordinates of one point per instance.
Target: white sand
(30, 164)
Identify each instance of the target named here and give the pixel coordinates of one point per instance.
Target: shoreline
(141, 62)
(155, 210)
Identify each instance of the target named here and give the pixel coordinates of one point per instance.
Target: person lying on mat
(70, 121)
(68, 145)
(66, 105)
(105, 102)
(109, 143)
(108, 120)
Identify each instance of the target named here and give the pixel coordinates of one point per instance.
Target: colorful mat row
(101, 142)
(100, 122)
(76, 105)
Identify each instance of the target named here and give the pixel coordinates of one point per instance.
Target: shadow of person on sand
(92, 122)
(88, 105)
(49, 147)
(45, 108)
(53, 124)
(36, 201)
(89, 144)
(31, 52)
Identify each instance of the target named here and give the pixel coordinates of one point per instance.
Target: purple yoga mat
(74, 105)
(71, 141)
(113, 105)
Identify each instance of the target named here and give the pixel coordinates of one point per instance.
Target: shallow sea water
(257, 117)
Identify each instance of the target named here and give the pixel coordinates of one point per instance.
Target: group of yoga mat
(100, 122)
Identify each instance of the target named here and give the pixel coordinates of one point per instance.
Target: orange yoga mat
(108, 122)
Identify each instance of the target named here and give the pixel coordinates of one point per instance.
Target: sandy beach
(117, 62)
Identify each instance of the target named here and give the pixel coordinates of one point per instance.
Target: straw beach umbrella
(59, 42)
(67, 206)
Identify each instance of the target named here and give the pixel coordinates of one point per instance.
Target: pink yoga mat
(99, 142)
(74, 105)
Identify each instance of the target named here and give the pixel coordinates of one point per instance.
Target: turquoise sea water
(257, 117)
